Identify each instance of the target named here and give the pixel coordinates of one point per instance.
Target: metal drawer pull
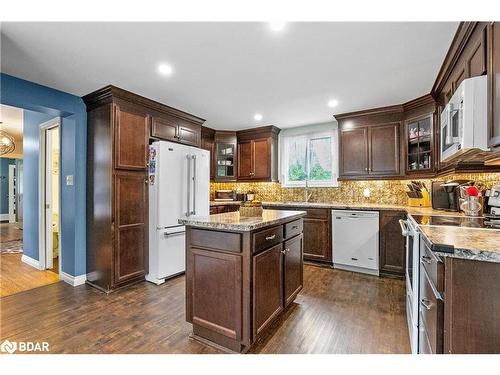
(283, 251)
(425, 259)
(354, 258)
(426, 303)
(271, 237)
(295, 227)
(287, 250)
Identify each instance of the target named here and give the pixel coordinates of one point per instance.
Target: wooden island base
(241, 276)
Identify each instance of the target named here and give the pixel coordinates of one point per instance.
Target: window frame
(309, 136)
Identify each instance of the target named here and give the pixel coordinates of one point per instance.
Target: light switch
(69, 180)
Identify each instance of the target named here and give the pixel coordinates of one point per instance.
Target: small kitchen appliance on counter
(446, 195)
(224, 195)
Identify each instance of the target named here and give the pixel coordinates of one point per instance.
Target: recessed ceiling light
(165, 69)
(333, 103)
(277, 26)
(257, 117)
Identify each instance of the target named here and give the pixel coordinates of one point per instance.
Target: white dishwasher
(355, 240)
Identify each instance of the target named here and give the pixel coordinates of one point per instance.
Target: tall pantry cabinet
(117, 190)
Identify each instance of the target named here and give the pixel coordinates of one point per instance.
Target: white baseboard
(30, 261)
(4, 217)
(73, 280)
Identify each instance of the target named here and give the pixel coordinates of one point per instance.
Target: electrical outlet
(69, 180)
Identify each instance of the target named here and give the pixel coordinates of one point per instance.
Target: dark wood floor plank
(337, 312)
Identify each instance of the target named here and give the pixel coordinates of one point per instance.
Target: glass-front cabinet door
(224, 162)
(419, 144)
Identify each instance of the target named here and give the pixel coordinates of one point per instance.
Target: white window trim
(309, 131)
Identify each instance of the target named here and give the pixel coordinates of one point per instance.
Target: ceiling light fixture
(7, 144)
(277, 26)
(257, 117)
(165, 69)
(333, 103)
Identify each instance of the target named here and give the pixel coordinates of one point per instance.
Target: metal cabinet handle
(425, 259)
(271, 237)
(295, 227)
(426, 303)
(174, 233)
(283, 251)
(287, 250)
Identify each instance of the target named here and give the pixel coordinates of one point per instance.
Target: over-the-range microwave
(464, 125)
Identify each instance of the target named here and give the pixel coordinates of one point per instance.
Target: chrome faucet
(307, 193)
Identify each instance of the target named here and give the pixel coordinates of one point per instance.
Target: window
(309, 155)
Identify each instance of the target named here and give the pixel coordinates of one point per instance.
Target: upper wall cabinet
(176, 129)
(258, 154)
(208, 143)
(225, 157)
(370, 143)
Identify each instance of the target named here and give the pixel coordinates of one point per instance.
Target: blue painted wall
(40, 104)
(4, 184)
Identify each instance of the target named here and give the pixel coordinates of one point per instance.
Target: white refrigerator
(179, 186)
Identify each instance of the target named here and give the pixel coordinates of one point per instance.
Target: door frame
(12, 190)
(42, 251)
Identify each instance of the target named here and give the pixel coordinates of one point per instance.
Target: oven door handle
(404, 228)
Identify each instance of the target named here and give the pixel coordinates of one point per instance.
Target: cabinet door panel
(267, 287)
(317, 245)
(392, 244)
(164, 128)
(293, 268)
(354, 152)
(131, 202)
(261, 152)
(131, 139)
(212, 272)
(384, 149)
(245, 160)
(189, 134)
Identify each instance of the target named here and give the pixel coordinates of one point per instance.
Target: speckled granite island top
(234, 222)
(473, 244)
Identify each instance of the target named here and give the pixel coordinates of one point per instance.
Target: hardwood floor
(10, 232)
(16, 276)
(337, 312)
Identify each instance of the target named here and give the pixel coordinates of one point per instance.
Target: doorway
(50, 182)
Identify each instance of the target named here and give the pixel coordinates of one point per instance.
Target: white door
(12, 193)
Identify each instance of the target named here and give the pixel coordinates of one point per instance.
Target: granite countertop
(467, 243)
(233, 221)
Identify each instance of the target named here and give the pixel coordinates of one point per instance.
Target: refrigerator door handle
(188, 157)
(194, 185)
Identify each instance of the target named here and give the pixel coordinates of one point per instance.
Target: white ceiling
(227, 72)
(11, 119)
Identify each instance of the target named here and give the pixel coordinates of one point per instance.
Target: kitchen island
(241, 274)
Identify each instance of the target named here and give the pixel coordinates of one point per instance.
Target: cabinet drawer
(266, 238)
(432, 265)
(294, 228)
(431, 313)
(209, 239)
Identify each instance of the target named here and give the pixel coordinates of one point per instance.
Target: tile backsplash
(383, 191)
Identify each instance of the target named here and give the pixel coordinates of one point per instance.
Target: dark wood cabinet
(223, 208)
(494, 85)
(391, 244)
(225, 156)
(131, 139)
(383, 153)
(369, 150)
(354, 152)
(268, 287)
(419, 139)
(258, 154)
(119, 124)
(131, 211)
(177, 129)
(293, 268)
(208, 143)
